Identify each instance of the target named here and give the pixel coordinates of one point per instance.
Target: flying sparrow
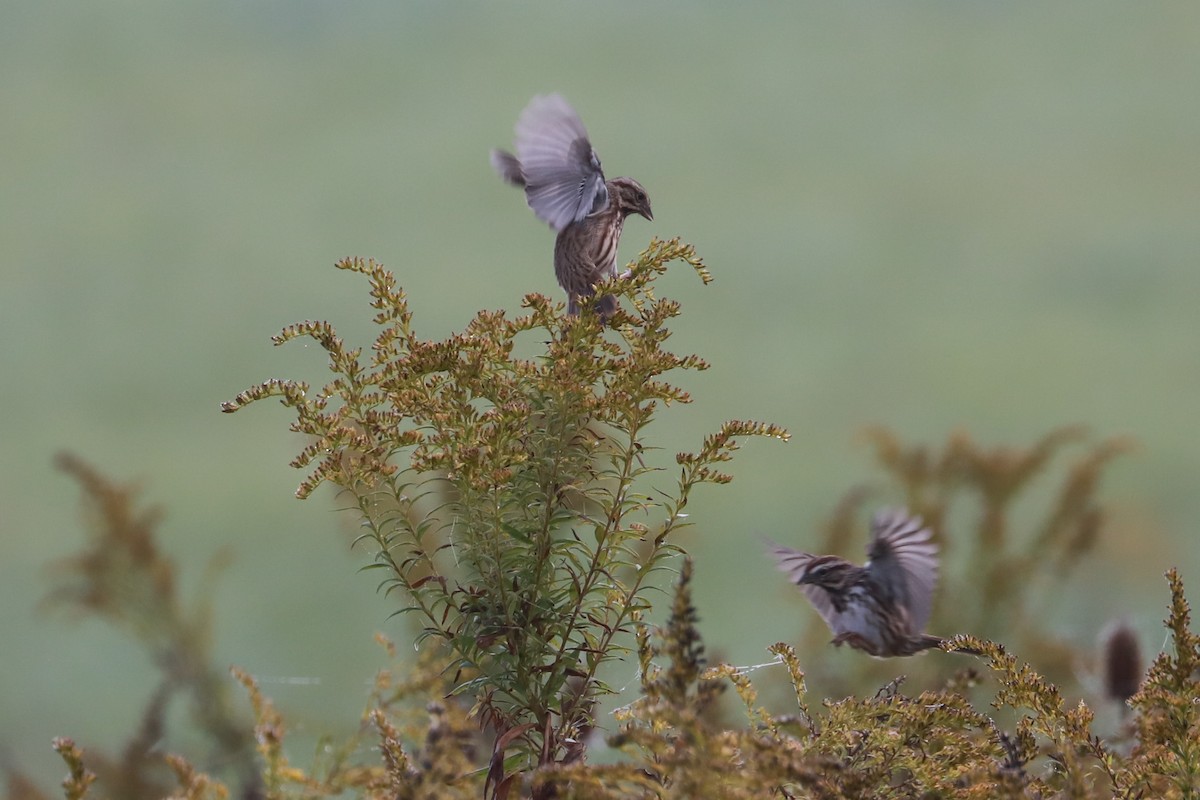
(883, 606)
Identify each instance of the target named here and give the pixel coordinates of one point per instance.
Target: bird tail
(508, 167)
(928, 641)
(606, 306)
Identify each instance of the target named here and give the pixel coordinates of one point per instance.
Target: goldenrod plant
(507, 500)
(122, 576)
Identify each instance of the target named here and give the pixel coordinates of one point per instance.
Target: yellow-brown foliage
(508, 505)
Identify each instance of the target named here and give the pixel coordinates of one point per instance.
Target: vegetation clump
(515, 508)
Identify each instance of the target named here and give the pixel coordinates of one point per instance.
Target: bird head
(829, 572)
(631, 197)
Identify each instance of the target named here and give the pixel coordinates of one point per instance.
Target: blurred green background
(927, 215)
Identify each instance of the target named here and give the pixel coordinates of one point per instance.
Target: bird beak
(645, 212)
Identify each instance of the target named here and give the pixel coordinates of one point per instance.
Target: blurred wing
(563, 180)
(904, 561)
(794, 564)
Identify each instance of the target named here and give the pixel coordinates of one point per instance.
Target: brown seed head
(1122, 661)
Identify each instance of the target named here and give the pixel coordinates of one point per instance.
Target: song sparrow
(881, 607)
(565, 187)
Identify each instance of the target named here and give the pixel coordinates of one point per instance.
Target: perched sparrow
(565, 187)
(882, 606)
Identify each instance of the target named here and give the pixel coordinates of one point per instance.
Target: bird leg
(855, 640)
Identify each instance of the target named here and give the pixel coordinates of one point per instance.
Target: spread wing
(555, 162)
(904, 561)
(795, 563)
